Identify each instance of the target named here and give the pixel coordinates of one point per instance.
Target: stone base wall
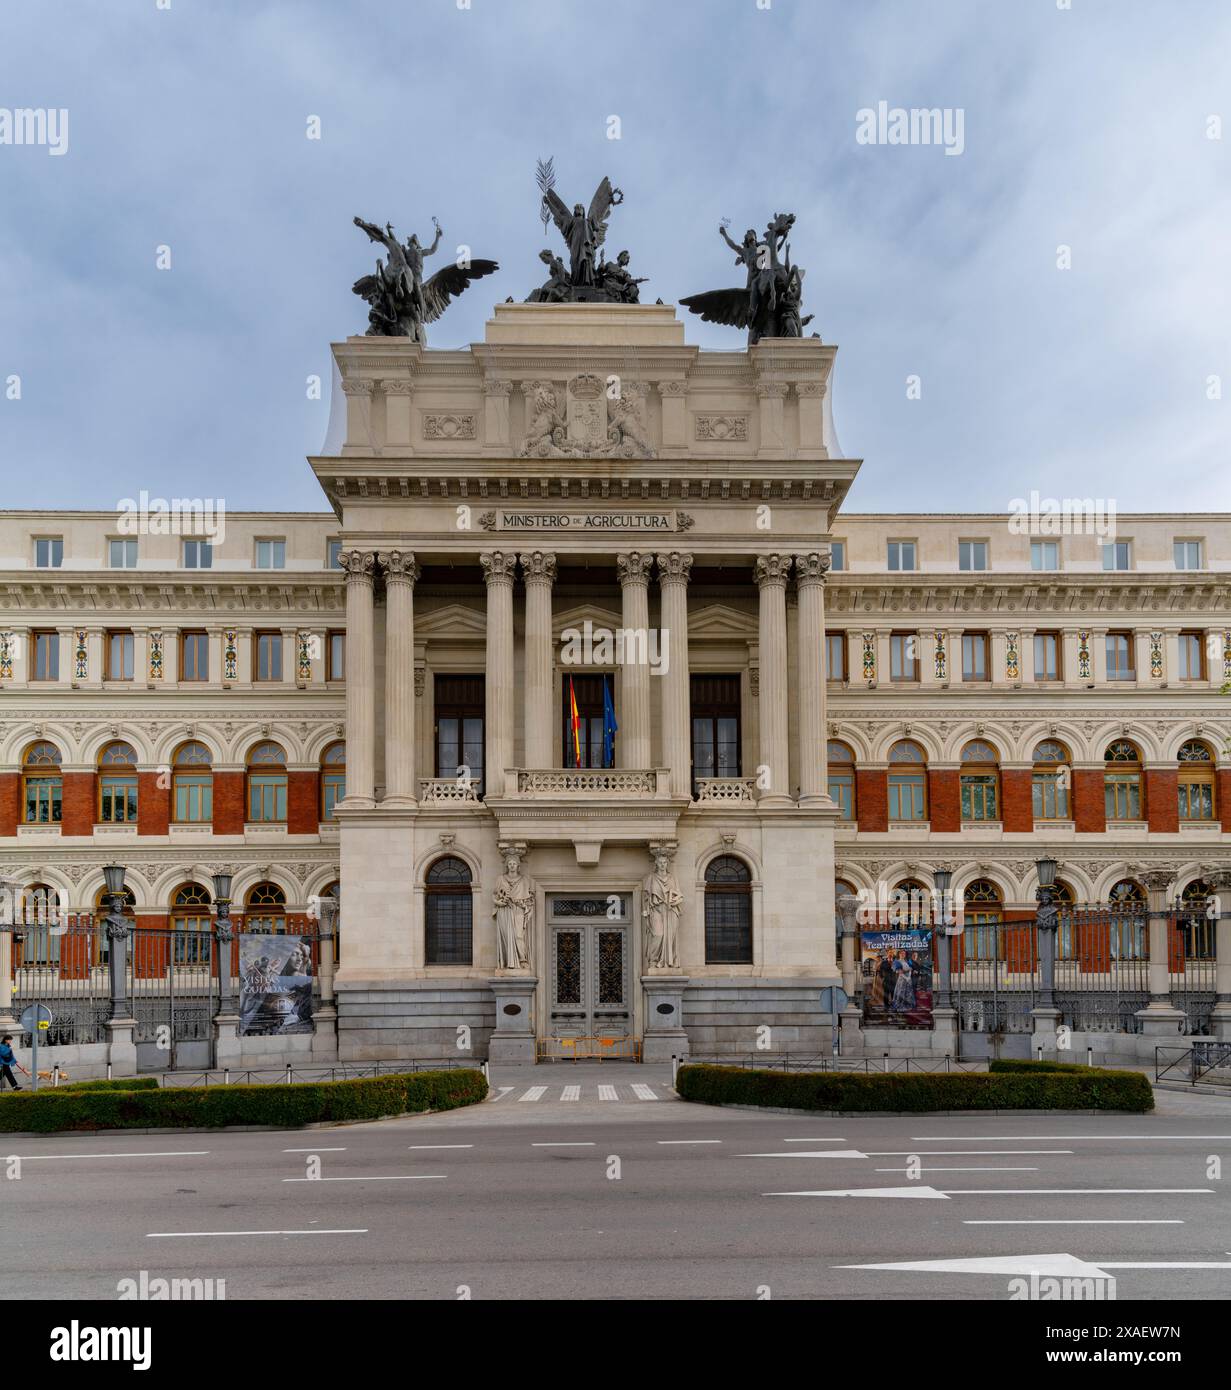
(728, 1017)
(414, 1022)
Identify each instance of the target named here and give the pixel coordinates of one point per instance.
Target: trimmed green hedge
(1023, 1064)
(119, 1083)
(282, 1106)
(913, 1092)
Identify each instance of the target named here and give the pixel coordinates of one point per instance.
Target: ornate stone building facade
(586, 690)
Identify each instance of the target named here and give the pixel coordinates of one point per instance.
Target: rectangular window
(1044, 555)
(979, 796)
(974, 656)
(1120, 656)
(194, 656)
(835, 656)
(837, 553)
(459, 729)
(906, 796)
(1117, 555)
(901, 555)
(117, 798)
(122, 554)
(335, 663)
(266, 800)
(903, 656)
(271, 555)
(1188, 555)
(1050, 792)
(1192, 656)
(120, 656)
(1122, 795)
(48, 552)
(972, 555)
(45, 655)
(333, 555)
(194, 797)
(1047, 656)
(198, 555)
(842, 791)
(715, 709)
(268, 654)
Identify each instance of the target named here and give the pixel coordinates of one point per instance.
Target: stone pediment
(579, 614)
(719, 620)
(453, 620)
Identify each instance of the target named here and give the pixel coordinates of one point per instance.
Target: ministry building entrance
(590, 987)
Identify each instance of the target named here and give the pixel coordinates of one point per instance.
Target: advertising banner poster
(896, 971)
(275, 993)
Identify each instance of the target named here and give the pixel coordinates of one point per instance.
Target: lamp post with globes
(115, 925)
(224, 934)
(943, 881)
(1047, 920)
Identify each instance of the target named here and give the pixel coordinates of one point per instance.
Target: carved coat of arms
(585, 419)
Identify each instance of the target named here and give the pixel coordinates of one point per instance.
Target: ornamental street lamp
(943, 880)
(115, 924)
(1047, 920)
(224, 934)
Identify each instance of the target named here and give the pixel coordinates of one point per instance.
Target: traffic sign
(34, 1017)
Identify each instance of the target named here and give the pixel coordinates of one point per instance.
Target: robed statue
(513, 910)
(400, 302)
(661, 903)
(769, 304)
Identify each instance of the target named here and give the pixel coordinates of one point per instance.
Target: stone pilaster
(539, 571)
(633, 740)
(498, 571)
(810, 571)
(771, 576)
(401, 572)
(360, 567)
(673, 572)
(359, 438)
(1159, 1019)
(496, 436)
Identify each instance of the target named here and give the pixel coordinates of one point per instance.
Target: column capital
(397, 386)
(812, 567)
(1158, 880)
(634, 567)
(400, 566)
(772, 390)
(674, 567)
(538, 567)
(498, 566)
(497, 388)
(772, 569)
(354, 386)
(360, 565)
(671, 387)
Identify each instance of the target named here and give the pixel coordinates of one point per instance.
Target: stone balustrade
(727, 789)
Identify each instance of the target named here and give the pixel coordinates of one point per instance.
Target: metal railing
(293, 1075)
(1193, 1063)
(788, 1062)
(576, 1049)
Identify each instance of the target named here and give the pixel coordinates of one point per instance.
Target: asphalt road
(627, 1196)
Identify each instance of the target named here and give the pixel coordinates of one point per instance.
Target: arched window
(267, 783)
(1128, 920)
(192, 785)
(842, 778)
(42, 787)
(980, 780)
(728, 912)
(190, 921)
(910, 905)
(1198, 899)
(982, 938)
(1196, 781)
(117, 784)
(907, 781)
(265, 909)
(448, 915)
(333, 778)
(1052, 779)
(1122, 781)
(36, 941)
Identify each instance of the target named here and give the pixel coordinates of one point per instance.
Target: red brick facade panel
(302, 803)
(228, 803)
(945, 799)
(1162, 793)
(1017, 812)
(872, 799)
(1089, 802)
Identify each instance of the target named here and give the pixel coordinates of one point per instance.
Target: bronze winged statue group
(401, 303)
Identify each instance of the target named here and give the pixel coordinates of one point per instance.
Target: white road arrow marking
(1067, 1266)
(915, 1190)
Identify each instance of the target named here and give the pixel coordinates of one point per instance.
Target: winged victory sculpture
(400, 302)
(589, 277)
(769, 304)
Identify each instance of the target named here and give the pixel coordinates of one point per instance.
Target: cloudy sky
(1086, 125)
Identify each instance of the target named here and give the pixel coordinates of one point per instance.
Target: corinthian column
(771, 575)
(673, 571)
(810, 571)
(498, 570)
(360, 567)
(401, 571)
(634, 716)
(539, 571)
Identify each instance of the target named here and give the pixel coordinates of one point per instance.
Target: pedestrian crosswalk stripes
(638, 1091)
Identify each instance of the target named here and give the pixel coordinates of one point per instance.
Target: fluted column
(360, 567)
(771, 575)
(498, 571)
(810, 571)
(539, 571)
(673, 571)
(634, 715)
(401, 571)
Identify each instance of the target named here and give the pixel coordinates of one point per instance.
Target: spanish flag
(575, 723)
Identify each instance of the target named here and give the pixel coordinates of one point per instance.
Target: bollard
(1040, 1052)
(1090, 1056)
(108, 1071)
(886, 1064)
(946, 1064)
(675, 1069)
(226, 1076)
(55, 1075)
(288, 1073)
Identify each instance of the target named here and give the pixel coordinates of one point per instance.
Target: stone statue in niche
(661, 903)
(513, 909)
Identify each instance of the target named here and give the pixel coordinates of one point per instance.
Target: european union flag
(610, 727)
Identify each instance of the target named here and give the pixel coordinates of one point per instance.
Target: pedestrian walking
(8, 1061)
